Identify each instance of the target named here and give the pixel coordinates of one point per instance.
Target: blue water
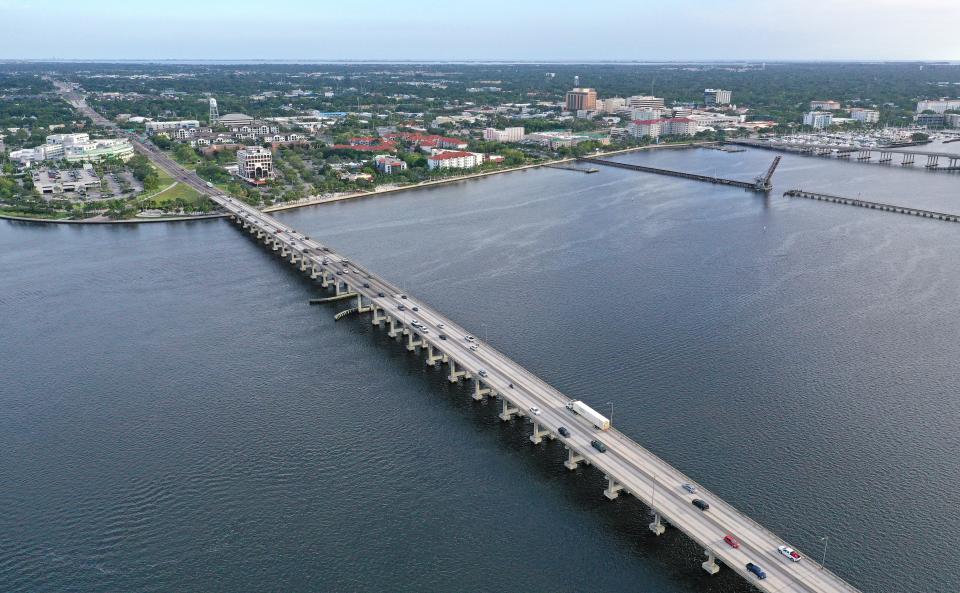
(174, 416)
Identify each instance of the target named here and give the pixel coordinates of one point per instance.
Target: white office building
(645, 102)
(938, 105)
(867, 116)
(454, 159)
(158, 126)
(75, 148)
(818, 119)
(714, 97)
(505, 135)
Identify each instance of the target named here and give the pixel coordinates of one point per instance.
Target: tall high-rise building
(581, 99)
(576, 81)
(818, 119)
(713, 97)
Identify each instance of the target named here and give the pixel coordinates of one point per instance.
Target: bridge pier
(710, 565)
(864, 155)
(478, 391)
(885, 157)
(538, 433)
(412, 342)
(284, 252)
(455, 375)
(507, 411)
(907, 158)
(276, 245)
(932, 161)
(657, 527)
(954, 161)
(305, 263)
(573, 458)
(433, 359)
(325, 278)
(295, 257)
(313, 272)
(613, 488)
(392, 332)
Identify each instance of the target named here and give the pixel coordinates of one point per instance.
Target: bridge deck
(695, 176)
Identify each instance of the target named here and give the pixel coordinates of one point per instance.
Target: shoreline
(366, 194)
(125, 221)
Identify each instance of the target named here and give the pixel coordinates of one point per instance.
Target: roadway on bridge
(646, 476)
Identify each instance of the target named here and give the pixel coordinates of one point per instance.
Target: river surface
(175, 417)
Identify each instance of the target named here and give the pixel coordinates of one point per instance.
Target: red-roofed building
(427, 141)
(388, 164)
(368, 144)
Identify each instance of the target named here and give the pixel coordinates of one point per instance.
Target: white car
(690, 488)
(790, 553)
(535, 410)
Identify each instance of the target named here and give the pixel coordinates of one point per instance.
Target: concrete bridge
(527, 400)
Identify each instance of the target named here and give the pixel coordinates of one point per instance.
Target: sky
(446, 30)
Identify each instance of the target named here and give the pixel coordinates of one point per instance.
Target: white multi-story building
(255, 164)
(611, 105)
(454, 159)
(951, 120)
(157, 126)
(505, 135)
(938, 105)
(75, 148)
(647, 113)
(644, 128)
(645, 102)
(867, 116)
(713, 97)
(818, 119)
(654, 128)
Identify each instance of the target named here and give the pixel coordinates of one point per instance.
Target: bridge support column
(377, 318)
(455, 375)
(295, 257)
(907, 158)
(314, 273)
(933, 161)
(432, 358)
(284, 252)
(392, 332)
(479, 392)
(710, 564)
(573, 458)
(657, 527)
(276, 245)
(304, 264)
(507, 411)
(412, 342)
(613, 488)
(325, 279)
(538, 433)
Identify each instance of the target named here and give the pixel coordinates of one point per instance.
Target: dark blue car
(756, 570)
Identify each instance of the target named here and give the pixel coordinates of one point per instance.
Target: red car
(732, 541)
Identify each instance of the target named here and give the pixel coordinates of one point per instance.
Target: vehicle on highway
(474, 348)
(701, 504)
(535, 410)
(415, 308)
(380, 294)
(441, 326)
(690, 488)
(595, 418)
(366, 285)
(424, 329)
(599, 446)
(403, 296)
(339, 273)
(510, 386)
(442, 336)
(399, 307)
(209, 184)
(756, 570)
(563, 431)
(346, 271)
(469, 338)
(790, 553)
(482, 373)
(732, 541)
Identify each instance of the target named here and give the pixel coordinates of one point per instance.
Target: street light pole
(611, 412)
(825, 539)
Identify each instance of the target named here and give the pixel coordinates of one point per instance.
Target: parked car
(790, 553)
(599, 446)
(701, 504)
(756, 570)
(732, 541)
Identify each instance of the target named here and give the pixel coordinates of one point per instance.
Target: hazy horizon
(498, 31)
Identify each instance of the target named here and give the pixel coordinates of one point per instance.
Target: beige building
(581, 100)
(255, 164)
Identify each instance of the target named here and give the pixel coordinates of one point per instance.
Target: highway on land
(641, 473)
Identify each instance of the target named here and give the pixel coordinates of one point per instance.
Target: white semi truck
(595, 418)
